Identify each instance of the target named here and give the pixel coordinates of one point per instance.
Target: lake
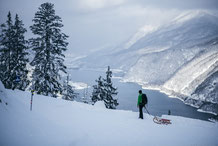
(158, 103)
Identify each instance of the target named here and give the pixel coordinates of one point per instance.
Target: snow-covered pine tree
(20, 56)
(110, 91)
(13, 60)
(5, 52)
(104, 91)
(48, 46)
(68, 92)
(98, 93)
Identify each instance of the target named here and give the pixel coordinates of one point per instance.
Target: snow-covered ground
(58, 122)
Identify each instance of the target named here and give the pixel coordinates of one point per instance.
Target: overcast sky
(96, 24)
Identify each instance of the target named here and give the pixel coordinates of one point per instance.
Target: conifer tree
(98, 91)
(68, 92)
(13, 60)
(110, 91)
(48, 45)
(104, 91)
(20, 56)
(5, 52)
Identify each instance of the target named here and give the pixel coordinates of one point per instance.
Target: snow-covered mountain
(57, 122)
(178, 58)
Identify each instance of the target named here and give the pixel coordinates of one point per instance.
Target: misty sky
(97, 24)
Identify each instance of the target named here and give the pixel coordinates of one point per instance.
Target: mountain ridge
(156, 58)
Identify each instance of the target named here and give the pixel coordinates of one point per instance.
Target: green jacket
(139, 99)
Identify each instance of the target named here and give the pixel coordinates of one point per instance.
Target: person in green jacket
(139, 104)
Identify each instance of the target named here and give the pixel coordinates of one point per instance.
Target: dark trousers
(140, 112)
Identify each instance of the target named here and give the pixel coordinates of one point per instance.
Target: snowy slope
(194, 72)
(207, 92)
(58, 122)
(190, 59)
(166, 50)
